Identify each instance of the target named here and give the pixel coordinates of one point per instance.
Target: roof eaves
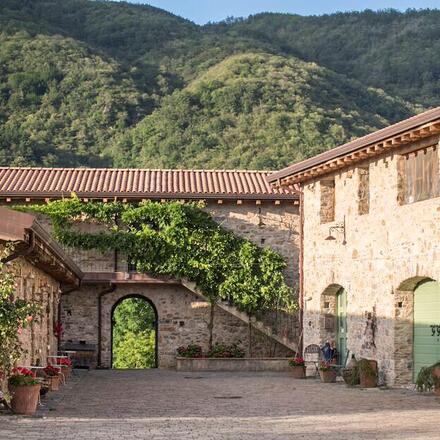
(358, 144)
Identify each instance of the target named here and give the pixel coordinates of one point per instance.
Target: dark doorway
(134, 333)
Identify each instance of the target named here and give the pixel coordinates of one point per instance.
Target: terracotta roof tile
(139, 183)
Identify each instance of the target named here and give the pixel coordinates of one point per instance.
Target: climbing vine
(179, 240)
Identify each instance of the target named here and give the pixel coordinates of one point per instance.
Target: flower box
(232, 364)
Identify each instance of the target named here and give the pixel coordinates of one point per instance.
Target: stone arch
(328, 312)
(410, 284)
(156, 323)
(404, 328)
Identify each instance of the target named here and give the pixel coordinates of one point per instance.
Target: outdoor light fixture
(260, 219)
(337, 227)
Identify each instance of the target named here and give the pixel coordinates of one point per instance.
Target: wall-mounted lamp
(260, 219)
(337, 227)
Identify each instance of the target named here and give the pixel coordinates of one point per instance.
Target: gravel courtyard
(165, 405)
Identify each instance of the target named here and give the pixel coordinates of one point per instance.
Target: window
(131, 265)
(418, 176)
(364, 190)
(327, 201)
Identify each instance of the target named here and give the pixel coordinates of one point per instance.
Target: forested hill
(115, 84)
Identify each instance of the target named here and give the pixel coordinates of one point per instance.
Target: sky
(202, 11)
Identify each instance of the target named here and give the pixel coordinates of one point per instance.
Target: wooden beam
(220, 202)
(258, 202)
(239, 202)
(277, 202)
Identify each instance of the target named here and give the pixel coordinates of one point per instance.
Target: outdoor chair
(312, 356)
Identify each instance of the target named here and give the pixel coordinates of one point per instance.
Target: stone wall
(38, 339)
(275, 226)
(387, 245)
(266, 224)
(182, 319)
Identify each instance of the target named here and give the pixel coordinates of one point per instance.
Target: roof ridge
(198, 170)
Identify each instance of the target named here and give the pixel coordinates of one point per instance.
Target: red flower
(20, 371)
(51, 371)
(64, 361)
(297, 361)
(58, 329)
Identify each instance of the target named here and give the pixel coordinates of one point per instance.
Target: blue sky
(202, 11)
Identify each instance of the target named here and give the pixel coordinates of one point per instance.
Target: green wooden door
(426, 325)
(342, 324)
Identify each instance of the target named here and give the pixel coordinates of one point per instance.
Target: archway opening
(134, 333)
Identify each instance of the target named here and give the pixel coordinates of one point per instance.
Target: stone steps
(258, 325)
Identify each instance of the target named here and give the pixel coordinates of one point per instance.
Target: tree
(135, 350)
(15, 314)
(134, 334)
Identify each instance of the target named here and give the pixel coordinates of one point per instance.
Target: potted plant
(350, 373)
(298, 367)
(429, 379)
(24, 389)
(367, 373)
(327, 372)
(66, 367)
(53, 376)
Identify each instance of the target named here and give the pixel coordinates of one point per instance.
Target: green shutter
(342, 324)
(426, 325)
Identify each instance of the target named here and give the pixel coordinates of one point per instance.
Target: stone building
(241, 201)
(370, 260)
(43, 272)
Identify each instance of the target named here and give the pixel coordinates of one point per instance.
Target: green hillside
(61, 104)
(111, 83)
(395, 51)
(257, 111)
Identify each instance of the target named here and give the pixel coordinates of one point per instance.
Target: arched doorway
(426, 350)
(134, 333)
(341, 323)
(334, 318)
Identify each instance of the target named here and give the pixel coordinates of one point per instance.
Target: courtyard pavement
(166, 405)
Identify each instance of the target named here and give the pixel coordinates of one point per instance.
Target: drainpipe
(65, 292)
(301, 270)
(104, 292)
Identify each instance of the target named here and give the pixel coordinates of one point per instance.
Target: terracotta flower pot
(65, 371)
(368, 380)
(24, 398)
(299, 372)
(54, 383)
(328, 376)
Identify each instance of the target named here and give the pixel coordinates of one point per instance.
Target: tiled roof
(418, 121)
(139, 183)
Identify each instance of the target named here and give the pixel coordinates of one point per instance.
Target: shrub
(226, 351)
(190, 351)
(426, 381)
